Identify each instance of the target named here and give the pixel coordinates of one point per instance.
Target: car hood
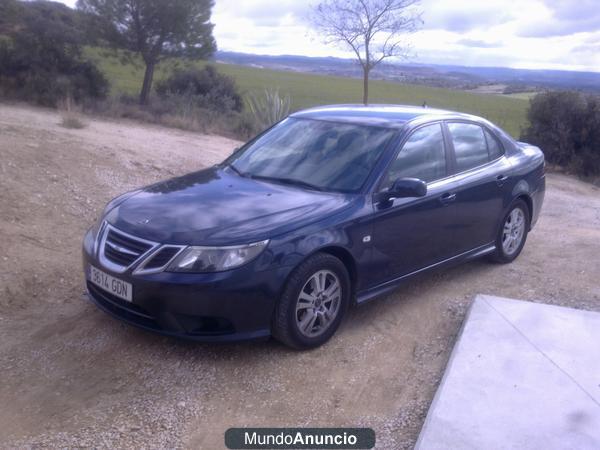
(218, 207)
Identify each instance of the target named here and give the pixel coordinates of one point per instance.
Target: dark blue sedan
(329, 208)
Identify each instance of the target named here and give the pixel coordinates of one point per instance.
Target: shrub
(46, 83)
(566, 126)
(203, 88)
(40, 58)
(268, 109)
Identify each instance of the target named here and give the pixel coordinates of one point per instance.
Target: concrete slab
(521, 376)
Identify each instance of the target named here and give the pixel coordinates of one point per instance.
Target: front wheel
(313, 303)
(513, 233)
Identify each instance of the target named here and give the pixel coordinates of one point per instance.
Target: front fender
(349, 231)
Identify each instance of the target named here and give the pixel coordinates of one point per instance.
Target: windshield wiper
(291, 181)
(236, 170)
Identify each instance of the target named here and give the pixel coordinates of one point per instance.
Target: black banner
(299, 438)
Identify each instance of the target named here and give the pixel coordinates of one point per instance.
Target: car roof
(388, 116)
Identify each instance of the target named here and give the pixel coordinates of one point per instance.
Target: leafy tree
(155, 29)
(372, 29)
(10, 10)
(40, 55)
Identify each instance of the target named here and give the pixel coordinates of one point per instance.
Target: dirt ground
(72, 376)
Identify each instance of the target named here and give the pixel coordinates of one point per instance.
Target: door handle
(447, 198)
(501, 179)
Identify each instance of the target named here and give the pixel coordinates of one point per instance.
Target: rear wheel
(513, 233)
(313, 303)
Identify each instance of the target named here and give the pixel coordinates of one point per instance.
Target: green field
(307, 90)
(523, 95)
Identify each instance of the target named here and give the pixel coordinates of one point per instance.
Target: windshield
(311, 153)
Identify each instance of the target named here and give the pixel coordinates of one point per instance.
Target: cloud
(574, 10)
(563, 18)
(461, 17)
(588, 50)
(559, 28)
(477, 43)
(262, 12)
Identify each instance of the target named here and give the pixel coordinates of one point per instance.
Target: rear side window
(423, 156)
(470, 145)
(494, 148)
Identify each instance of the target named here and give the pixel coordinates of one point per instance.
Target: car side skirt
(384, 288)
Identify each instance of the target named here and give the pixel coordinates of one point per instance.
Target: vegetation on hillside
(154, 29)
(41, 54)
(307, 90)
(42, 61)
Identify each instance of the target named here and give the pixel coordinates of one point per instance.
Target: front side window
(470, 146)
(320, 154)
(423, 156)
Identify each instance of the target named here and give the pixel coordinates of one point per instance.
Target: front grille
(161, 258)
(122, 249)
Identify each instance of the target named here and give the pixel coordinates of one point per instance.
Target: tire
(293, 324)
(505, 252)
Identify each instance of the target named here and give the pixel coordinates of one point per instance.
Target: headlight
(215, 259)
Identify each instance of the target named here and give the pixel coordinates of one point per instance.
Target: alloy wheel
(513, 231)
(318, 303)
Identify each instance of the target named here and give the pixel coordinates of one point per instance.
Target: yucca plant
(268, 108)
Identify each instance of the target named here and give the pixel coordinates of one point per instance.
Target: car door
(412, 233)
(481, 179)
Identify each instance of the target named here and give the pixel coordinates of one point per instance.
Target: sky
(531, 34)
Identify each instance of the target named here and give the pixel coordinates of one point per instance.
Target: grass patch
(175, 112)
(307, 90)
(523, 95)
(69, 120)
(70, 115)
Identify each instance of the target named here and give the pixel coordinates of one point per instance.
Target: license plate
(116, 287)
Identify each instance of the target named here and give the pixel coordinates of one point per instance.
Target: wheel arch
(347, 259)
(522, 191)
(337, 251)
(529, 202)
(523, 196)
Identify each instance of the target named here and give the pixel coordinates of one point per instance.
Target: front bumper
(226, 306)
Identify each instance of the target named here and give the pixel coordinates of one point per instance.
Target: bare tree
(373, 29)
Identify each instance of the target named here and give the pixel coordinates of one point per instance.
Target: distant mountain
(489, 79)
(545, 78)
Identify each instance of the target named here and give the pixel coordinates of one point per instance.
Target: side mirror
(403, 188)
(235, 150)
